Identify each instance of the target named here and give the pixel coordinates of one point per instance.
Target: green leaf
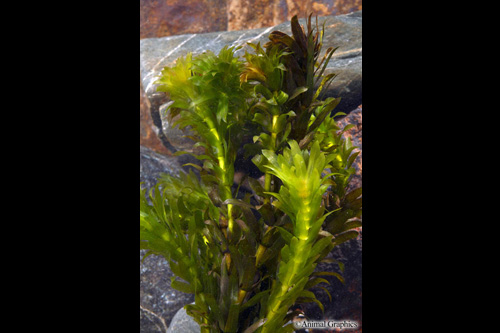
(354, 194)
(333, 261)
(326, 291)
(237, 202)
(255, 299)
(197, 167)
(339, 239)
(325, 80)
(324, 113)
(182, 286)
(287, 236)
(351, 225)
(261, 89)
(289, 298)
(222, 109)
(181, 270)
(308, 296)
(314, 281)
(232, 318)
(319, 246)
(272, 251)
(282, 120)
(263, 120)
(326, 62)
(281, 98)
(297, 92)
(214, 306)
(252, 328)
(337, 275)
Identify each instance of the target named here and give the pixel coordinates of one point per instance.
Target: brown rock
(148, 131)
(253, 14)
(355, 134)
(159, 18)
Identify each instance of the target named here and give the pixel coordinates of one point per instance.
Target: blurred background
(160, 18)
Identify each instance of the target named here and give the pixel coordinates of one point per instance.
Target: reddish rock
(148, 135)
(252, 14)
(355, 134)
(159, 18)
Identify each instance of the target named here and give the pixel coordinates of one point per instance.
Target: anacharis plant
(248, 259)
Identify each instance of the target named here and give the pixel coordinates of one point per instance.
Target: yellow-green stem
(222, 164)
(230, 221)
(297, 257)
(205, 329)
(286, 284)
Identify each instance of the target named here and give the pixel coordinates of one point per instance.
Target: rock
(152, 164)
(175, 17)
(158, 301)
(252, 14)
(184, 323)
(355, 134)
(343, 31)
(150, 135)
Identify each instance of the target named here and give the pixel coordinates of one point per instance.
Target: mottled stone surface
(158, 301)
(152, 164)
(356, 135)
(160, 18)
(150, 134)
(344, 31)
(252, 14)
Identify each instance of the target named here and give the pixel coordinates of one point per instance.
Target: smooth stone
(182, 322)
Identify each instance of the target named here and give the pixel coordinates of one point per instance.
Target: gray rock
(344, 31)
(152, 164)
(184, 323)
(158, 301)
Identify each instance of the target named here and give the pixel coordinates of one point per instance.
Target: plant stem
(274, 135)
(226, 177)
(302, 246)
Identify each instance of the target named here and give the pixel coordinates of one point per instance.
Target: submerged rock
(158, 300)
(182, 322)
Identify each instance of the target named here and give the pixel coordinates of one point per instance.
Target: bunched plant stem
(248, 269)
